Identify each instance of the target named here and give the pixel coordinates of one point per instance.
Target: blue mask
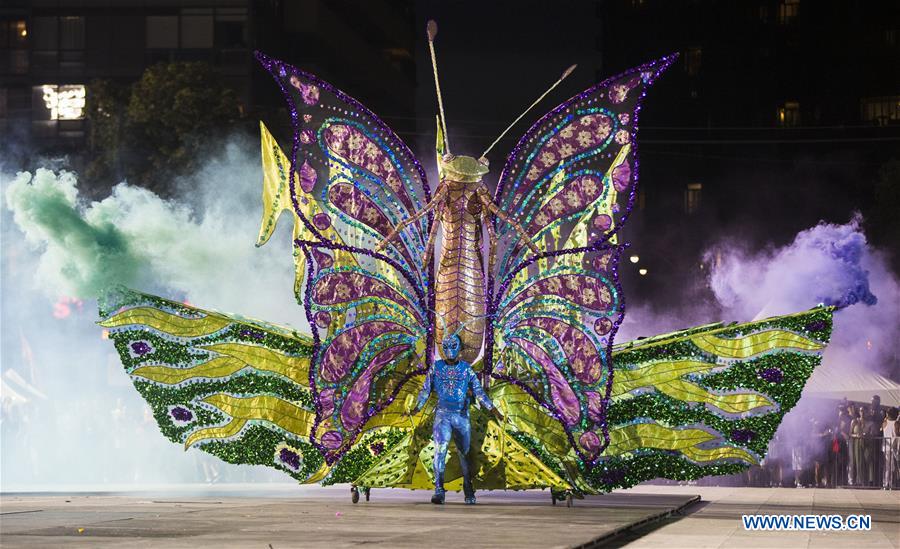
(451, 346)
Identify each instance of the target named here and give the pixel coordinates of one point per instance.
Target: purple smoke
(825, 264)
(830, 264)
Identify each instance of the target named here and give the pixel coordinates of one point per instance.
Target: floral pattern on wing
(368, 311)
(570, 183)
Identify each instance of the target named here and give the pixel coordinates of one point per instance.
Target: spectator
(877, 410)
(857, 431)
(889, 430)
(820, 454)
(871, 446)
(798, 462)
(772, 462)
(844, 471)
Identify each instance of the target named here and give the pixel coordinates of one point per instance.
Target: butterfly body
(459, 280)
(462, 207)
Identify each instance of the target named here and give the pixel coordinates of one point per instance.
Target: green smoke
(85, 252)
(200, 247)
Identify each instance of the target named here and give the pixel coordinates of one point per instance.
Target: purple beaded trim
(658, 67)
(276, 67)
(307, 246)
(604, 404)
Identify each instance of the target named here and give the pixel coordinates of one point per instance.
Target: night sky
(778, 114)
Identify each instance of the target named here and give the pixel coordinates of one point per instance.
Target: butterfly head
(463, 168)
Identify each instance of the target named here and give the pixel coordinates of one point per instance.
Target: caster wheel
(354, 494)
(570, 501)
(367, 492)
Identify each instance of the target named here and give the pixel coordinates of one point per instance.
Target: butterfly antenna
(431, 29)
(440, 317)
(565, 73)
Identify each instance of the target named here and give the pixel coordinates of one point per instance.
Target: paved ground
(316, 517)
(716, 520)
(288, 516)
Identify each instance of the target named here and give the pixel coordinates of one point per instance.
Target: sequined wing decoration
(233, 387)
(369, 312)
(570, 183)
(705, 401)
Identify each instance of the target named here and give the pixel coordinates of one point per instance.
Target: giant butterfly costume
(537, 319)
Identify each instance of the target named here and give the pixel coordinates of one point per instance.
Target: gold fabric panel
(665, 377)
(754, 344)
(281, 413)
(652, 435)
(169, 323)
(261, 358)
(218, 367)
(228, 430)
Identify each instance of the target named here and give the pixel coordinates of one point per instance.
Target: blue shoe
(438, 497)
(469, 491)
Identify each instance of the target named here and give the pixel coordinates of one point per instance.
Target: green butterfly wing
(706, 401)
(233, 387)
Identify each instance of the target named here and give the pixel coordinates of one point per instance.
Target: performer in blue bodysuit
(451, 378)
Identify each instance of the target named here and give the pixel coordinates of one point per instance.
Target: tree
(161, 130)
(106, 104)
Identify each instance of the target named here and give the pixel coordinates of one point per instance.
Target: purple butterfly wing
(368, 311)
(570, 182)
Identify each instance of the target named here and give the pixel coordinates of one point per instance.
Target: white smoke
(69, 412)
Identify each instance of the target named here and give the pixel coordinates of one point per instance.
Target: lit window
(789, 114)
(788, 10)
(14, 39)
(63, 102)
(692, 198)
(15, 34)
(692, 58)
(881, 110)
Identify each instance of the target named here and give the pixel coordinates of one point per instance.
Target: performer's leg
(462, 436)
(441, 435)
